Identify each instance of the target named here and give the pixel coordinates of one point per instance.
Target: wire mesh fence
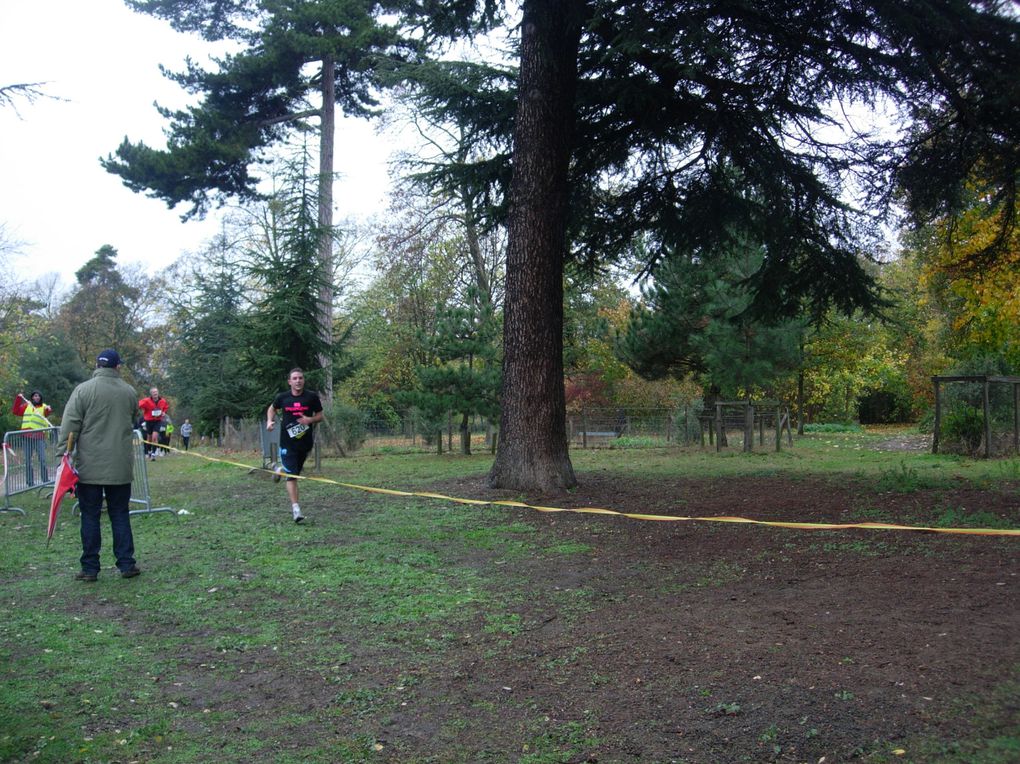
(977, 415)
(633, 428)
(373, 435)
(685, 426)
(29, 462)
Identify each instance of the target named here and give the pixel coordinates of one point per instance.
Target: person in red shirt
(154, 409)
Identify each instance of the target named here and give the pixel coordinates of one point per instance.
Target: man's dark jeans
(118, 506)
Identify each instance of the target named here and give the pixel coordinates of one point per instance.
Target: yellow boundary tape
(630, 515)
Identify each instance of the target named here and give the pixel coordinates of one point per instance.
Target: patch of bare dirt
(703, 642)
(694, 642)
(919, 442)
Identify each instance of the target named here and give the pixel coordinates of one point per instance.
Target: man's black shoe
(130, 572)
(83, 575)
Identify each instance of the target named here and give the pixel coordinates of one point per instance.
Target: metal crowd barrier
(140, 481)
(270, 442)
(30, 463)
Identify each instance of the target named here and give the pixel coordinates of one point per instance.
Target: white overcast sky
(103, 60)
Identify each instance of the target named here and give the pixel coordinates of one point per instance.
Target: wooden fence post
(748, 427)
(1016, 417)
(988, 421)
(779, 428)
(718, 427)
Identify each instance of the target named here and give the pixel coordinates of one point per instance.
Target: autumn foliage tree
(979, 297)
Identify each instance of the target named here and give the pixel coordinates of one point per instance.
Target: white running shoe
(298, 517)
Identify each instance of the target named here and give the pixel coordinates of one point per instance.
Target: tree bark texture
(465, 435)
(532, 453)
(327, 129)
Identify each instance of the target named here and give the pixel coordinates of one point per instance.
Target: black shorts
(292, 460)
(151, 427)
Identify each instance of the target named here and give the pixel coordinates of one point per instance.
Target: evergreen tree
(257, 96)
(692, 120)
(631, 117)
(532, 450)
(207, 366)
(742, 353)
(287, 276)
(464, 377)
(49, 363)
(697, 318)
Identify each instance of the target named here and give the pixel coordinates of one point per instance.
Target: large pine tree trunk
(326, 135)
(532, 453)
(465, 434)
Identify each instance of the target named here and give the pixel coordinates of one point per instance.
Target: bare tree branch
(30, 91)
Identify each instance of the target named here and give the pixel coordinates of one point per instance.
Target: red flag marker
(64, 481)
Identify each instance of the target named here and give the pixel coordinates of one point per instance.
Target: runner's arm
(313, 419)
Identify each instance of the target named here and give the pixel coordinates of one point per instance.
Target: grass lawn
(396, 629)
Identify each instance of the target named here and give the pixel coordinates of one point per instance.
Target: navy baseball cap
(109, 359)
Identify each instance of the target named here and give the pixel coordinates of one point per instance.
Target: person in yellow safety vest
(166, 431)
(33, 413)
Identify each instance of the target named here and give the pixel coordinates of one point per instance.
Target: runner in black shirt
(301, 410)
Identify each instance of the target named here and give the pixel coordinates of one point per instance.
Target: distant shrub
(958, 517)
(834, 427)
(635, 441)
(345, 426)
(893, 402)
(903, 480)
(966, 425)
(926, 424)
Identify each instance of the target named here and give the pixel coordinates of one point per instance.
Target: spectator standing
(98, 418)
(301, 410)
(186, 433)
(167, 434)
(154, 408)
(33, 413)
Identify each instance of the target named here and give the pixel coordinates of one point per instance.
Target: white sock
(295, 507)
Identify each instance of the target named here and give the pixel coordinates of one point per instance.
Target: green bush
(834, 427)
(889, 401)
(926, 424)
(345, 427)
(965, 424)
(685, 419)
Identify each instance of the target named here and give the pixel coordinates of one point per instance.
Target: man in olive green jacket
(99, 416)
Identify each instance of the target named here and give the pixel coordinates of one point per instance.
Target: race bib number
(157, 412)
(297, 430)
